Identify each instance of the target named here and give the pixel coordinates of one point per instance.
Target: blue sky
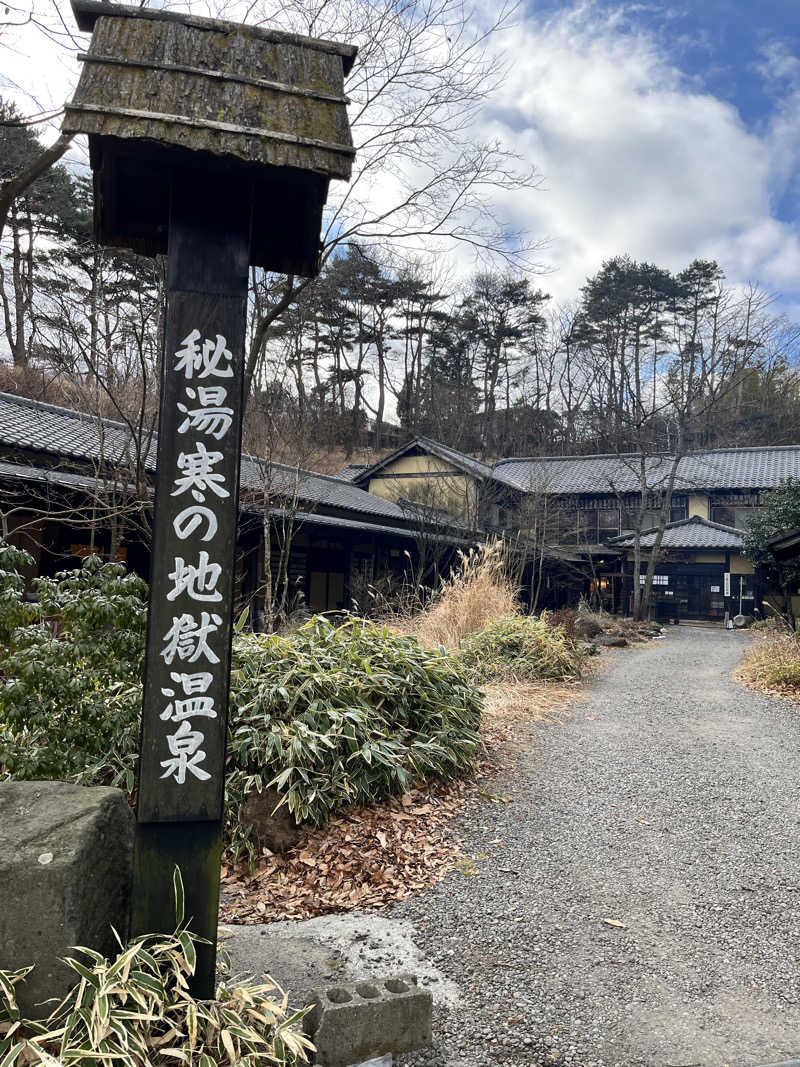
(668, 132)
(718, 43)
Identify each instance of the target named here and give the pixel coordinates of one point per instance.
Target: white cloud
(637, 159)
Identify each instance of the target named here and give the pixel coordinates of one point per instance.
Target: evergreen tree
(34, 217)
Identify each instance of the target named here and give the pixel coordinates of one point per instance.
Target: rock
(587, 628)
(588, 647)
(612, 641)
(66, 855)
(274, 829)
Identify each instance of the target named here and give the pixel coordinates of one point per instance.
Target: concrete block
(358, 1021)
(66, 855)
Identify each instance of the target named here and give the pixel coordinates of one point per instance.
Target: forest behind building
(385, 345)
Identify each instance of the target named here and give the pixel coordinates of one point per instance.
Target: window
(740, 517)
(678, 513)
(587, 527)
(658, 579)
(650, 519)
(607, 523)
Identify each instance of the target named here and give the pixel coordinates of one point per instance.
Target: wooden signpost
(215, 143)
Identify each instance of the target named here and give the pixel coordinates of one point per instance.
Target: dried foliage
(365, 858)
(369, 858)
(478, 591)
(521, 647)
(772, 664)
(136, 1010)
(566, 619)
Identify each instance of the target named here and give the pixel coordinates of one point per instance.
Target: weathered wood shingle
(223, 90)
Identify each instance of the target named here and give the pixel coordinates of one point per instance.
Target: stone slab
(302, 956)
(66, 854)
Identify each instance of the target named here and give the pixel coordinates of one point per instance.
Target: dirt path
(667, 802)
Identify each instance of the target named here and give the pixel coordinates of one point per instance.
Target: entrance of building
(700, 596)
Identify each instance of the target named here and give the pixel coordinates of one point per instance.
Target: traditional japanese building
(73, 484)
(584, 509)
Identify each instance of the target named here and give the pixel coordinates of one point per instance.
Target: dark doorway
(700, 596)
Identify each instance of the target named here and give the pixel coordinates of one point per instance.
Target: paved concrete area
(303, 956)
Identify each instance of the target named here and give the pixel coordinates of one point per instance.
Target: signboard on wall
(727, 583)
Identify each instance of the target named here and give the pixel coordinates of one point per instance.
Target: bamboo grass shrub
(136, 1011)
(348, 714)
(522, 648)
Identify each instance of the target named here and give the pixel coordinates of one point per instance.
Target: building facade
(583, 509)
(72, 485)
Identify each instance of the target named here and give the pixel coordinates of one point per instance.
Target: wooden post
(187, 673)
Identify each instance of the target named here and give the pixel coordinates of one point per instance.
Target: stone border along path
(668, 801)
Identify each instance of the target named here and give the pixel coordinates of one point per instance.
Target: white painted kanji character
(189, 358)
(206, 361)
(192, 683)
(199, 582)
(191, 707)
(188, 639)
(187, 521)
(212, 417)
(213, 354)
(187, 755)
(198, 475)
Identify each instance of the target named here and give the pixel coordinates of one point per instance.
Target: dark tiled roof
(62, 432)
(460, 460)
(722, 468)
(19, 472)
(353, 471)
(688, 533)
(304, 518)
(319, 489)
(785, 546)
(42, 427)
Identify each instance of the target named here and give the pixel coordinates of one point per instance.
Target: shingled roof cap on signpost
(215, 143)
(162, 91)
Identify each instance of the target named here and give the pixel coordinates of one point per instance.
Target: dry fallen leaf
(370, 858)
(615, 922)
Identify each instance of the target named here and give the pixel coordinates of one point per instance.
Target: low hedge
(524, 648)
(345, 714)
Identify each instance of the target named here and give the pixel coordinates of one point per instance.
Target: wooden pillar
(187, 673)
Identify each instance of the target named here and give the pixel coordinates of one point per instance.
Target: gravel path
(667, 801)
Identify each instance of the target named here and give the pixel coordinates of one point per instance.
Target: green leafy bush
(521, 647)
(329, 715)
(14, 611)
(71, 671)
(338, 715)
(136, 1010)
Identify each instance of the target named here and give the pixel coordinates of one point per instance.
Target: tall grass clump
(522, 648)
(773, 662)
(338, 715)
(478, 591)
